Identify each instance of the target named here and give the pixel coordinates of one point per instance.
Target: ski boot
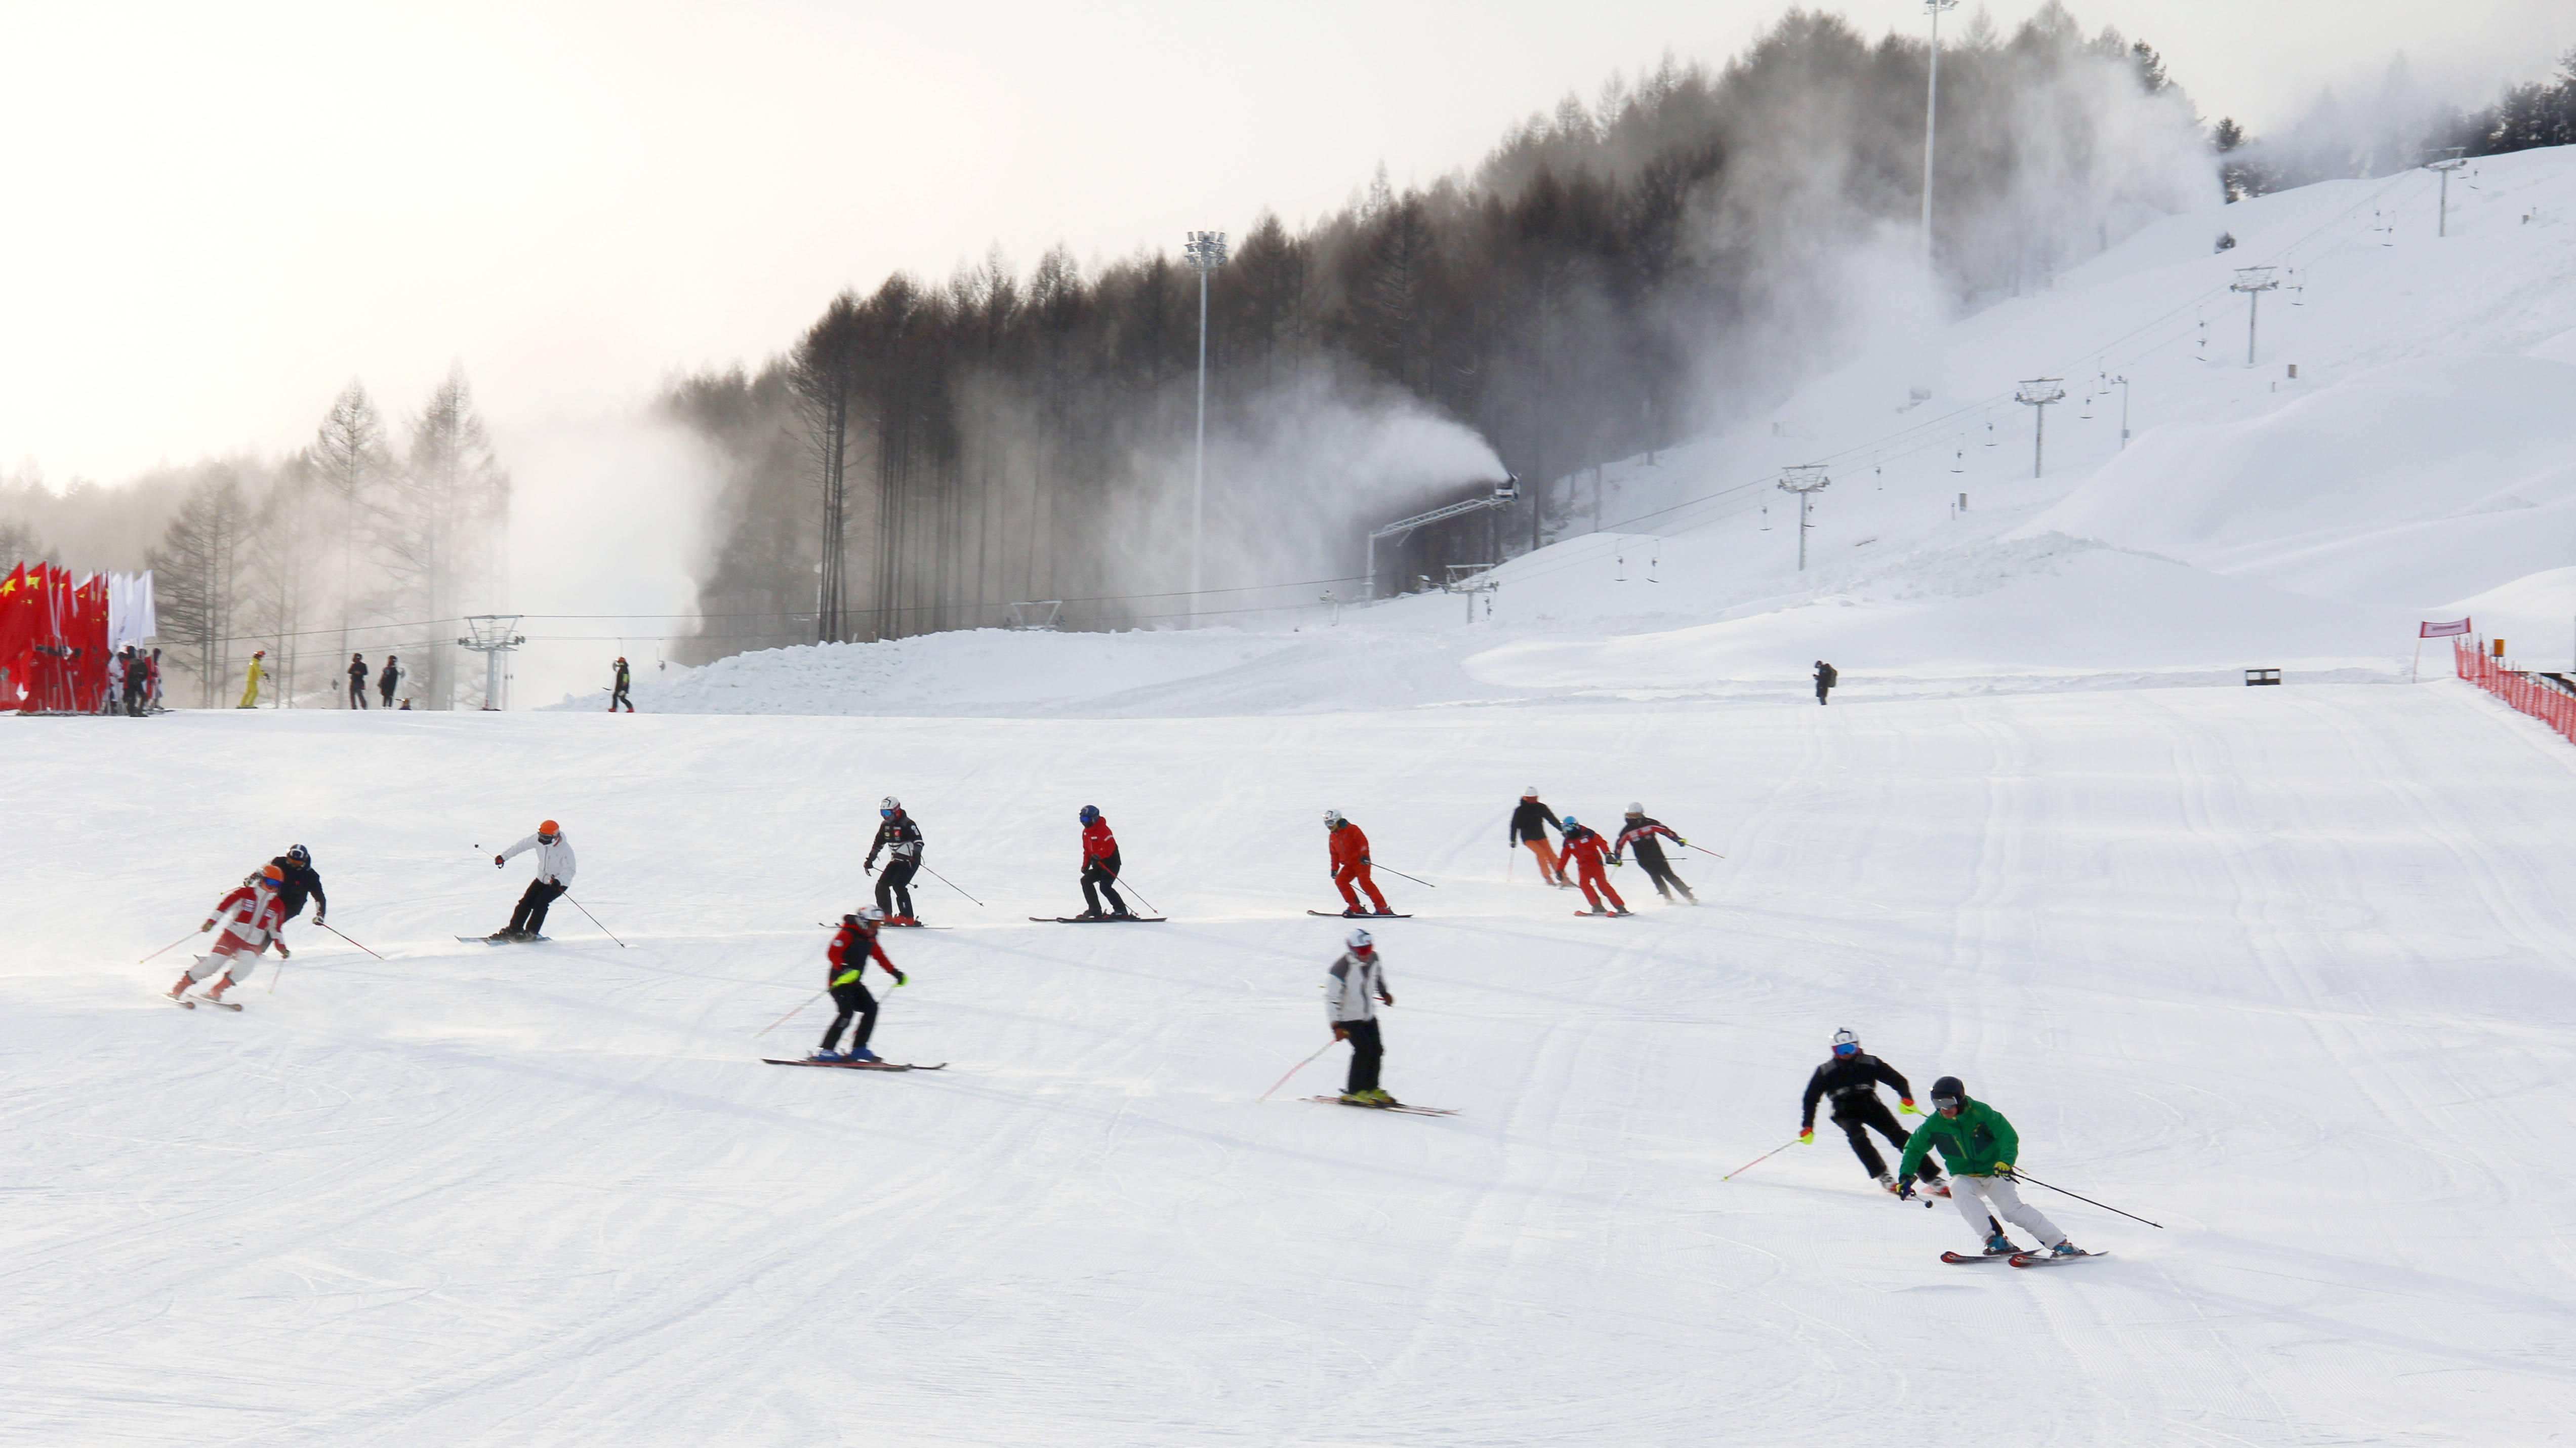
(1886, 1183)
(220, 987)
(1623, 910)
(1121, 915)
(1356, 1098)
(1378, 1097)
(2000, 1245)
(820, 1054)
(1355, 913)
(862, 1053)
(1091, 915)
(1934, 1186)
(2066, 1248)
(181, 988)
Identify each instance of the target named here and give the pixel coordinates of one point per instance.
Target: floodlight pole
(2253, 281)
(1931, 101)
(2123, 384)
(2444, 168)
(1806, 480)
(1206, 252)
(2037, 393)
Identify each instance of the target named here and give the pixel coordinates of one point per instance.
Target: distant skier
(1585, 847)
(1350, 854)
(138, 681)
(1979, 1146)
(554, 877)
(900, 838)
(1530, 821)
(391, 679)
(1639, 834)
(251, 917)
(618, 695)
(1353, 990)
(1099, 867)
(250, 680)
(1826, 678)
(850, 952)
(1851, 1078)
(357, 681)
(108, 697)
(152, 683)
(297, 879)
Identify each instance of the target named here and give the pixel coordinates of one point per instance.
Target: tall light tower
(1206, 252)
(2037, 393)
(1931, 101)
(2253, 281)
(1806, 480)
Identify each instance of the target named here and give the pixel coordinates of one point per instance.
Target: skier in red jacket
(1351, 863)
(1099, 867)
(251, 916)
(1585, 847)
(849, 955)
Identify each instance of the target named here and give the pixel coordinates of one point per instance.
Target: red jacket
(1097, 842)
(842, 972)
(1584, 845)
(1350, 847)
(249, 926)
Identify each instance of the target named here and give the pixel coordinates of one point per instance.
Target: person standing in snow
(1585, 847)
(1099, 867)
(1639, 834)
(617, 695)
(1353, 990)
(108, 697)
(138, 681)
(554, 877)
(357, 681)
(1530, 821)
(845, 976)
(251, 917)
(1826, 678)
(296, 879)
(1979, 1146)
(1851, 1078)
(390, 680)
(1350, 855)
(250, 681)
(152, 684)
(900, 838)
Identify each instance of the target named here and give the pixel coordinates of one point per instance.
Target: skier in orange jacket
(1351, 863)
(1585, 850)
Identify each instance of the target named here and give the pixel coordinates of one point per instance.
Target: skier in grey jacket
(1352, 994)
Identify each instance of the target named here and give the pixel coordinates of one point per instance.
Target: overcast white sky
(217, 214)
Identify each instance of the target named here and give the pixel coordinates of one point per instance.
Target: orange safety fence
(2550, 705)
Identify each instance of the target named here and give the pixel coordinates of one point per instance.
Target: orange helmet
(549, 828)
(273, 877)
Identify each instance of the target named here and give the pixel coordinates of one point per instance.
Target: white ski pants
(210, 966)
(1977, 1196)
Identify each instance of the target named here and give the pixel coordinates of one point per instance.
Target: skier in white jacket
(554, 877)
(1352, 994)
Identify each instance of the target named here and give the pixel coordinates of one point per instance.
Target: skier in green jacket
(1979, 1146)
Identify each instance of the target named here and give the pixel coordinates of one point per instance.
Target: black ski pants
(1856, 1125)
(894, 888)
(1367, 1052)
(619, 697)
(385, 691)
(1822, 689)
(1100, 877)
(357, 691)
(1660, 870)
(852, 1000)
(531, 914)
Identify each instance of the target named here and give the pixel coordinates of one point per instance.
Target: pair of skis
(1098, 919)
(1373, 1106)
(857, 1065)
(504, 940)
(2020, 1259)
(190, 1003)
(1361, 915)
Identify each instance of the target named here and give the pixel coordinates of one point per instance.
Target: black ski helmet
(1948, 1092)
(299, 855)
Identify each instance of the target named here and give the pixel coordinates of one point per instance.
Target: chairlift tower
(2253, 281)
(1806, 480)
(492, 635)
(2123, 384)
(1931, 104)
(1205, 252)
(2037, 393)
(2456, 158)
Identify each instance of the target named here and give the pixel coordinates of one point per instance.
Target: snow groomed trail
(2288, 970)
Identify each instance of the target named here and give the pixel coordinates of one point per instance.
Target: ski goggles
(1945, 1103)
(885, 814)
(1848, 1048)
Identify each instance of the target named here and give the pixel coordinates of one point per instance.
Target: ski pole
(1300, 1066)
(165, 950)
(343, 937)
(2088, 1201)
(1757, 1161)
(280, 975)
(1132, 890)
(584, 909)
(782, 1020)
(1712, 854)
(1399, 874)
(951, 884)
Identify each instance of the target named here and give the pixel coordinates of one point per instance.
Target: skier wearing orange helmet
(554, 877)
(251, 916)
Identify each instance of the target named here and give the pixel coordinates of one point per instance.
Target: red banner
(2442, 630)
(53, 641)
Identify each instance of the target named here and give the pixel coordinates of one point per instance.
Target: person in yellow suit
(250, 686)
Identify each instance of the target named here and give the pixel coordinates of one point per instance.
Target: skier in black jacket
(1852, 1078)
(357, 681)
(301, 880)
(617, 695)
(1639, 834)
(900, 838)
(1826, 678)
(1529, 827)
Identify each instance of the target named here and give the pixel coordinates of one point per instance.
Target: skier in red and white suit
(1584, 849)
(251, 916)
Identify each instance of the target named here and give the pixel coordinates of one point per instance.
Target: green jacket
(1973, 1143)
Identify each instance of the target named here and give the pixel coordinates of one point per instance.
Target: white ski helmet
(1332, 817)
(872, 914)
(1360, 940)
(1530, 793)
(1635, 808)
(1846, 1037)
(890, 805)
